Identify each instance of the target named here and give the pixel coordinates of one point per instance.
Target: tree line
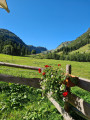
(81, 57)
(13, 48)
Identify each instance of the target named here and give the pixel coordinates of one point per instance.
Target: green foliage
(83, 49)
(56, 81)
(17, 96)
(52, 81)
(25, 103)
(81, 57)
(8, 49)
(33, 52)
(46, 112)
(13, 48)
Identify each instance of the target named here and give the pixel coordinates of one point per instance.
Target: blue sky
(46, 23)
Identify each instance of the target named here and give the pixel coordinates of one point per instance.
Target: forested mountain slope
(75, 44)
(11, 44)
(76, 50)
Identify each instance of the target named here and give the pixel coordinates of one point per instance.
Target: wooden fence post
(68, 71)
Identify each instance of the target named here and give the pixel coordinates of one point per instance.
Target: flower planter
(68, 82)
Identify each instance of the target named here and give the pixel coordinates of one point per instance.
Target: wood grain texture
(32, 82)
(60, 109)
(68, 69)
(84, 84)
(20, 66)
(80, 104)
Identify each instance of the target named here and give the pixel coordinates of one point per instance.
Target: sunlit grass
(80, 69)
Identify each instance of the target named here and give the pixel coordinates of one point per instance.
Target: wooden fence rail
(84, 84)
(32, 82)
(20, 66)
(74, 100)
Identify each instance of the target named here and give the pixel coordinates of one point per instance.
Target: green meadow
(29, 99)
(80, 69)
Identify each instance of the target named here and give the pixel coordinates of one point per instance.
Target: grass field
(80, 69)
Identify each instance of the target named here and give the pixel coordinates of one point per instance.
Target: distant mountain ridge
(38, 49)
(6, 35)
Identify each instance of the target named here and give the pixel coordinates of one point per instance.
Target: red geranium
(39, 70)
(43, 73)
(46, 66)
(65, 94)
(59, 64)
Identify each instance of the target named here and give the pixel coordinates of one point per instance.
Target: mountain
(63, 44)
(75, 50)
(6, 35)
(76, 44)
(38, 49)
(9, 38)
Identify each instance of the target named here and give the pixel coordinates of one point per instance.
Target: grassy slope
(63, 44)
(78, 39)
(83, 49)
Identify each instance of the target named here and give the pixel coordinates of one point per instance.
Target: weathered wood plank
(80, 104)
(79, 113)
(68, 69)
(66, 105)
(84, 84)
(59, 108)
(32, 82)
(20, 66)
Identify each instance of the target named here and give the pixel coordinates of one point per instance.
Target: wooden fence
(79, 105)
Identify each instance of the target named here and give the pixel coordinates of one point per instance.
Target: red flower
(65, 94)
(46, 66)
(39, 70)
(59, 64)
(43, 73)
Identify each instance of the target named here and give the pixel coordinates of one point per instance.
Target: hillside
(81, 41)
(84, 49)
(6, 35)
(9, 40)
(63, 44)
(76, 50)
